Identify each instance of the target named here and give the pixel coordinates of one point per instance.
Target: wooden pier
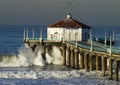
(80, 57)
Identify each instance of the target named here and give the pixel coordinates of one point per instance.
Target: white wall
(71, 34)
(67, 34)
(51, 33)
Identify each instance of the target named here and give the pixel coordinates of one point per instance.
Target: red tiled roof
(69, 22)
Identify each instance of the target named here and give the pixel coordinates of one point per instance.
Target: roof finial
(68, 16)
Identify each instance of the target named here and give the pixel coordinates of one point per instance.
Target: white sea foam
(38, 60)
(74, 77)
(43, 74)
(27, 57)
(56, 56)
(48, 58)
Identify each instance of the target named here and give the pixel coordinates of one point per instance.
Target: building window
(56, 36)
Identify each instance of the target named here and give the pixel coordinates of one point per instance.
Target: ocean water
(20, 66)
(11, 37)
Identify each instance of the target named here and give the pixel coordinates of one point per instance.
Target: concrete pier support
(68, 56)
(81, 60)
(91, 62)
(103, 66)
(64, 55)
(116, 74)
(110, 67)
(72, 57)
(76, 59)
(97, 62)
(85, 61)
(44, 52)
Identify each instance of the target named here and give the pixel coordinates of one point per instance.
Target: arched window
(56, 36)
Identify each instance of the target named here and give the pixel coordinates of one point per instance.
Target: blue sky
(45, 12)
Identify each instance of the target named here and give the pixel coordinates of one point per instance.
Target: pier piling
(86, 61)
(103, 66)
(91, 61)
(72, 57)
(116, 74)
(97, 62)
(110, 68)
(68, 56)
(81, 60)
(64, 55)
(76, 59)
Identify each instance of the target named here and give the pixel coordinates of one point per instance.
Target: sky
(45, 12)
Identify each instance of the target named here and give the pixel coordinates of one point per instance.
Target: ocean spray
(56, 56)
(26, 57)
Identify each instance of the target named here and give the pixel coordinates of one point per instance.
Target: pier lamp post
(40, 34)
(91, 46)
(24, 37)
(110, 45)
(26, 34)
(113, 35)
(105, 37)
(33, 33)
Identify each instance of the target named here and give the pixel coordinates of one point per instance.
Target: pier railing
(96, 46)
(114, 50)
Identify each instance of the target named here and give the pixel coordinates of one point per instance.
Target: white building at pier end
(68, 29)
